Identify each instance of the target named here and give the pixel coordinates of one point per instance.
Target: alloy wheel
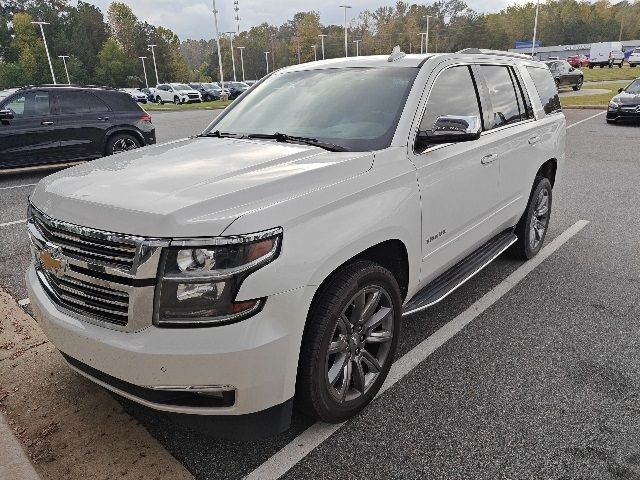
(124, 144)
(539, 219)
(360, 344)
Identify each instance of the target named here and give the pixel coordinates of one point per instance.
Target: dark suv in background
(51, 124)
(564, 74)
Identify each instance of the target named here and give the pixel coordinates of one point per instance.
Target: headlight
(199, 279)
(613, 105)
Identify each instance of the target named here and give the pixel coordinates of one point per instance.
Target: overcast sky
(193, 18)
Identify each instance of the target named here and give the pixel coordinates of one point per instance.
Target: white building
(564, 51)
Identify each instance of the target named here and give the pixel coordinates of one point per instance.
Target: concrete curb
(14, 464)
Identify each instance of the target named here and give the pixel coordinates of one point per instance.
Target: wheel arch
(548, 170)
(119, 130)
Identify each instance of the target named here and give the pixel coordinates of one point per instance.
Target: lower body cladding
(233, 381)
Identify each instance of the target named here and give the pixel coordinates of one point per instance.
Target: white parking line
(12, 223)
(281, 462)
(585, 120)
(19, 186)
(24, 302)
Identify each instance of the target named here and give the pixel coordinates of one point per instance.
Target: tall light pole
(46, 47)
(357, 42)
(535, 30)
(64, 60)
(426, 43)
(233, 55)
(266, 57)
(241, 60)
(215, 22)
(322, 37)
(315, 53)
(236, 8)
(144, 69)
(155, 67)
(346, 47)
(298, 42)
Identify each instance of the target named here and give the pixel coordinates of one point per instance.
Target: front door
(458, 181)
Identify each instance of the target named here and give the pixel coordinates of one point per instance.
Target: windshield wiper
(283, 137)
(219, 134)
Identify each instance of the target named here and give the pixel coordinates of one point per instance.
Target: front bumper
(629, 113)
(256, 358)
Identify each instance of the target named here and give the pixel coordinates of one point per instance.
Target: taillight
(146, 117)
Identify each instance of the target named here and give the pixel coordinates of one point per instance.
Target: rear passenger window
(502, 94)
(546, 88)
(31, 104)
(80, 102)
(454, 93)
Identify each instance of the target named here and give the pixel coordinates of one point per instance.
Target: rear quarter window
(118, 101)
(546, 88)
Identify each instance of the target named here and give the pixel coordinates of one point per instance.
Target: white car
(634, 58)
(274, 256)
(606, 54)
(177, 93)
(136, 94)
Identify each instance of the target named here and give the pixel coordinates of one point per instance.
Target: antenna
(396, 54)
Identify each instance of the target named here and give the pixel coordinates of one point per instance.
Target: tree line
(104, 49)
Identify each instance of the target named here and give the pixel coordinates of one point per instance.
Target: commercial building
(564, 51)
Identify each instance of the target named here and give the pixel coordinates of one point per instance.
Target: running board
(449, 281)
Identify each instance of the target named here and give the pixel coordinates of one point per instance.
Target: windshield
(355, 108)
(634, 87)
(209, 85)
(181, 86)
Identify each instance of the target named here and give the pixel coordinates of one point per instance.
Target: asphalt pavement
(543, 382)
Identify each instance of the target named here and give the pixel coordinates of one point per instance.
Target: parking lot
(542, 382)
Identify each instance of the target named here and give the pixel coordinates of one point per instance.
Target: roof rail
(482, 51)
(63, 85)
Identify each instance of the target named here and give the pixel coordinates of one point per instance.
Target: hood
(625, 98)
(190, 187)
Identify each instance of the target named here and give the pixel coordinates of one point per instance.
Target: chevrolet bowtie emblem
(52, 261)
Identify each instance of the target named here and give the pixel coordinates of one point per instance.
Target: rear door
(29, 137)
(81, 123)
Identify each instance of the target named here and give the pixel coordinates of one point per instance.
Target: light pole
(46, 47)
(215, 21)
(357, 42)
(155, 67)
(144, 69)
(322, 37)
(535, 30)
(426, 43)
(233, 56)
(241, 60)
(64, 60)
(236, 8)
(266, 57)
(346, 48)
(315, 53)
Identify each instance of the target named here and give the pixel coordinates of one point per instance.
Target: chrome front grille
(97, 276)
(87, 245)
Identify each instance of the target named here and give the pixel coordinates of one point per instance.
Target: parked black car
(209, 91)
(236, 88)
(48, 123)
(626, 105)
(564, 74)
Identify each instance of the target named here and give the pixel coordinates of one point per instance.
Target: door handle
(103, 119)
(489, 159)
(534, 140)
(46, 123)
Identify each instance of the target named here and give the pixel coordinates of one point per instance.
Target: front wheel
(578, 85)
(159, 100)
(122, 143)
(532, 227)
(349, 342)
(176, 100)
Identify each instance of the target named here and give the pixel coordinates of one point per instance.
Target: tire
(632, 65)
(602, 66)
(176, 100)
(335, 400)
(578, 86)
(590, 67)
(206, 98)
(159, 100)
(557, 81)
(530, 239)
(121, 142)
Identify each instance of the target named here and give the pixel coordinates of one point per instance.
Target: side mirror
(572, 69)
(620, 90)
(451, 129)
(6, 115)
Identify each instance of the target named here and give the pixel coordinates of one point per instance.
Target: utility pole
(346, 47)
(322, 37)
(155, 67)
(315, 53)
(46, 47)
(144, 69)
(233, 56)
(621, 25)
(357, 42)
(535, 30)
(266, 57)
(64, 60)
(241, 60)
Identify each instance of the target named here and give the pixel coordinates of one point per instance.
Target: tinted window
(453, 93)
(117, 101)
(526, 111)
(31, 104)
(79, 102)
(546, 88)
(502, 95)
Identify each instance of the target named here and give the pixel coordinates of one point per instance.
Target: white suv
(276, 254)
(176, 93)
(634, 58)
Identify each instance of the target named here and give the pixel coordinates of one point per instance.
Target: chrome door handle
(534, 140)
(103, 119)
(46, 123)
(489, 159)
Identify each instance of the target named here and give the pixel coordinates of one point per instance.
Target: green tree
(114, 67)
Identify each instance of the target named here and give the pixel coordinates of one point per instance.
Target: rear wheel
(176, 100)
(121, 143)
(159, 100)
(532, 227)
(557, 80)
(349, 342)
(578, 85)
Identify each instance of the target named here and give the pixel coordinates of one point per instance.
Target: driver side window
(454, 93)
(30, 104)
